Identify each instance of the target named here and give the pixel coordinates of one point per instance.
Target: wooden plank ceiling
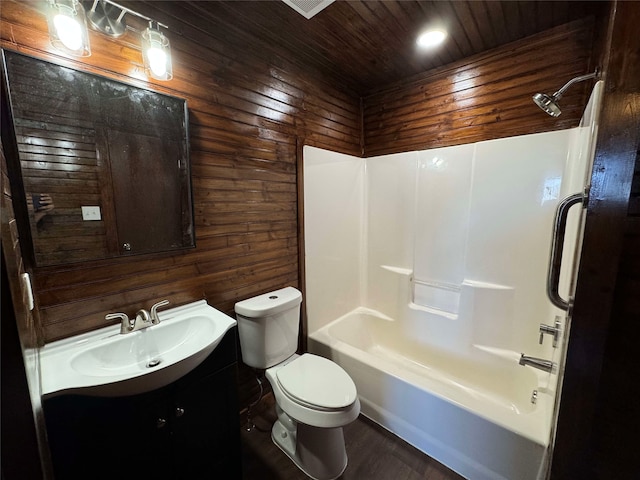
(367, 45)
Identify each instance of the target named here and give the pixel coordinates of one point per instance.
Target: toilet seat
(317, 383)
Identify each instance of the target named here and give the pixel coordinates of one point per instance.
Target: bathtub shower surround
(426, 278)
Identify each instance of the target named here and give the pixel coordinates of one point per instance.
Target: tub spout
(539, 363)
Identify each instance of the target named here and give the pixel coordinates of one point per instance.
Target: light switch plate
(91, 213)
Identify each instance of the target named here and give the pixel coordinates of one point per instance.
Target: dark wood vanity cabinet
(186, 430)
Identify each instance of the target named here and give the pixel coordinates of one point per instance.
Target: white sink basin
(106, 363)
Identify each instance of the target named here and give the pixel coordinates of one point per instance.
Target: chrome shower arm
(581, 78)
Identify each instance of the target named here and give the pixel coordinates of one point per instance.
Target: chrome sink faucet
(143, 318)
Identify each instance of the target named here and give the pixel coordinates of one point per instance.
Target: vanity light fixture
(68, 27)
(156, 53)
(68, 32)
(431, 38)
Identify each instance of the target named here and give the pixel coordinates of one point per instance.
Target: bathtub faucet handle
(549, 330)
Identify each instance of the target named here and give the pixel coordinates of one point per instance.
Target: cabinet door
(106, 438)
(206, 429)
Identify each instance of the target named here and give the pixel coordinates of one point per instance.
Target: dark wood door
(146, 172)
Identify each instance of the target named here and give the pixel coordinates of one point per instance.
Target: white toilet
(315, 397)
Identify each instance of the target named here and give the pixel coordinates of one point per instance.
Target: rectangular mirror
(105, 165)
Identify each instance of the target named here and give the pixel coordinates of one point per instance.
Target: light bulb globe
(431, 38)
(156, 54)
(157, 61)
(69, 31)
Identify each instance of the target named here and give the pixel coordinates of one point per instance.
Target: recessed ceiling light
(431, 38)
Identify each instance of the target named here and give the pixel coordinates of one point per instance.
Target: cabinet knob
(179, 411)
(160, 423)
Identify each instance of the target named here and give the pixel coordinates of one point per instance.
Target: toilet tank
(268, 327)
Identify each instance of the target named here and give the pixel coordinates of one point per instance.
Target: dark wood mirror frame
(104, 165)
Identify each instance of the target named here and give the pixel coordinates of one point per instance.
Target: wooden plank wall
(246, 115)
(484, 97)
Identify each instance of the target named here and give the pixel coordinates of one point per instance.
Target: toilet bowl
(315, 397)
(313, 402)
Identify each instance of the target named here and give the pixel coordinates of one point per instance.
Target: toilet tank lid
(269, 303)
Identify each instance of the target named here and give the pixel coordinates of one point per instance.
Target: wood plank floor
(374, 454)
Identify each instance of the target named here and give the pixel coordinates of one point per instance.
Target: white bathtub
(472, 411)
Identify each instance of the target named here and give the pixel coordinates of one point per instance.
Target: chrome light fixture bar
(107, 18)
(109, 8)
(68, 27)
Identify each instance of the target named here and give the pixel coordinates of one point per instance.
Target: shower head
(549, 103)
